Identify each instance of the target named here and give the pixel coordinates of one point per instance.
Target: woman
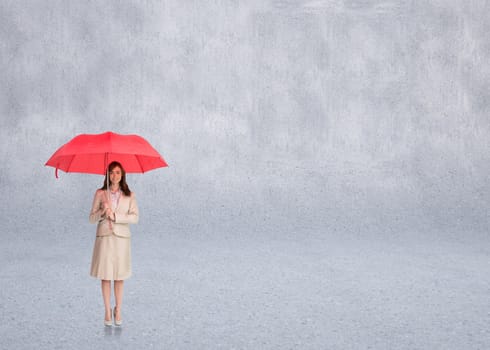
(113, 210)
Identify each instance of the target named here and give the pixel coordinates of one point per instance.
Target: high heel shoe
(108, 323)
(116, 322)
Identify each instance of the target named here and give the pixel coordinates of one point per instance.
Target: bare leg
(118, 293)
(106, 294)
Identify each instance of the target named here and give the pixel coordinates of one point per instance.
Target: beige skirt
(111, 258)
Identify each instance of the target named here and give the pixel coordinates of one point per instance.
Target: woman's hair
(122, 184)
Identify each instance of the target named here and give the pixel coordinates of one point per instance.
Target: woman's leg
(118, 293)
(106, 294)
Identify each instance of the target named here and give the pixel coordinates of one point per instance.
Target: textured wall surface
(293, 130)
(317, 103)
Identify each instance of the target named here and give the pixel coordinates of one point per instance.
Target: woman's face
(115, 175)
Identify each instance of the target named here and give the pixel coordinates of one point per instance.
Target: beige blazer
(126, 213)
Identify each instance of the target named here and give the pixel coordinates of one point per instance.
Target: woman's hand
(109, 214)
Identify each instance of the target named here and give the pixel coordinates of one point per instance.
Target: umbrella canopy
(92, 153)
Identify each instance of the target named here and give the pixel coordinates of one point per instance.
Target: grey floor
(196, 286)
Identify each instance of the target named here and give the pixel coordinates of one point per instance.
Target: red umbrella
(92, 153)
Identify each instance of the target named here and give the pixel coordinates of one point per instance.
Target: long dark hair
(122, 184)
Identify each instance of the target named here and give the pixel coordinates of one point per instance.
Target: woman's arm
(132, 216)
(98, 211)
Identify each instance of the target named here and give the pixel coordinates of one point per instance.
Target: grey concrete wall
(304, 107)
